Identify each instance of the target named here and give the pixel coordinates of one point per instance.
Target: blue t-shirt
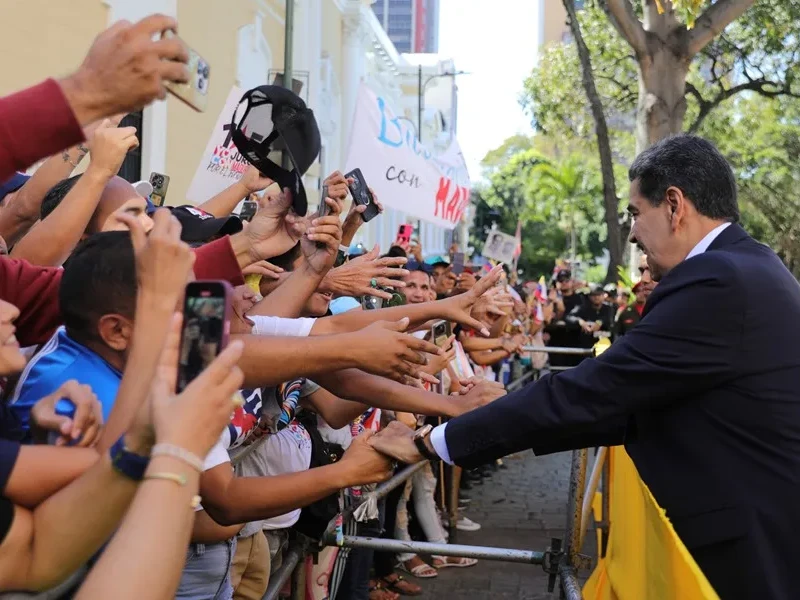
(60, 360)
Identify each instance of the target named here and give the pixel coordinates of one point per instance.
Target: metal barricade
(562, 560)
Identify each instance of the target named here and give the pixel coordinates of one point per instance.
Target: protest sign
(221, 163)
(500, 246)
(404, 173)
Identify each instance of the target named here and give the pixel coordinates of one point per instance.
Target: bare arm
(17, 217)
(488, 357)
(40, 471)
(476, 344)
(158, 507)
(384, 393)
(289, 298)
(53, 239)
(336, 411)
(223, 203)
(45, 546)
(229, 499)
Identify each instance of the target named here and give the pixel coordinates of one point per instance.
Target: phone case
(362, 195)
(195, 92)
(248, 211)
(324, 210)
(160, 183)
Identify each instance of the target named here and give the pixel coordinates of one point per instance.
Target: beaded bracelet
(182, 454)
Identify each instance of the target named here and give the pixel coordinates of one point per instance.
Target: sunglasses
(643, 269)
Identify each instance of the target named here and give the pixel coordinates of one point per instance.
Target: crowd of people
(160, 444)
(124, 477)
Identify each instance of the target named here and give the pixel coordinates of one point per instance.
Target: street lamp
(421, 93)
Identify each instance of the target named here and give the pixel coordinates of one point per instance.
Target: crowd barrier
(640, 557)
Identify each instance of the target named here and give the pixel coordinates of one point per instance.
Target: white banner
(404, 173)
(500, 246)
(221, 164)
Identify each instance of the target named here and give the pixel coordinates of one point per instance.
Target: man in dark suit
(704, 393)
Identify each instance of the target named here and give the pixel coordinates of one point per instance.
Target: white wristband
(182, 454)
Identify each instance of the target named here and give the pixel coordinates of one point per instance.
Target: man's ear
(116, 331)
(676, 204)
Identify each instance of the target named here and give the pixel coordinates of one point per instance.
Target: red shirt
(34, 290)
(34, 124)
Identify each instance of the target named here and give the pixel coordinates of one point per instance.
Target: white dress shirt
(438, 440)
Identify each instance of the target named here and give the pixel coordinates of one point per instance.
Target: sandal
(421, 570)
(442, 562)
(376, 592)
(398, 584)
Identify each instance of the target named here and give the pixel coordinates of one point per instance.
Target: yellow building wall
(210, 27)
(555, 22)
(43, 38)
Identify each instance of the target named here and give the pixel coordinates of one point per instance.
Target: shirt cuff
(216, 260)
(439, 443)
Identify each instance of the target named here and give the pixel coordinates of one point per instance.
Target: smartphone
(371, 302)
(404, 233)
(195, 92)
(440, 333)
(457, 263)
(160, 183)
(206, 327)
(324, 209)
(248, 211)
(362, 195)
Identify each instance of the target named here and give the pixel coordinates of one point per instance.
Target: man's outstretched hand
(396, 441)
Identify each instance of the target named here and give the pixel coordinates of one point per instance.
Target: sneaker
(465, 524)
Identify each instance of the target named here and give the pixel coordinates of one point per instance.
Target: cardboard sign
(500, 246)
(221, 164)
(405, 174)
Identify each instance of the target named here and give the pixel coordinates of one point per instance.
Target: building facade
(338, 44)
(412, 25)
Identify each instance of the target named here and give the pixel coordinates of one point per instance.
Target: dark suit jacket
(705, 395)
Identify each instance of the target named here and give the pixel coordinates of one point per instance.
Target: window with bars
(131, 169)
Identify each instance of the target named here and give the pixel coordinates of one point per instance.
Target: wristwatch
(127, 463)
(419, 441)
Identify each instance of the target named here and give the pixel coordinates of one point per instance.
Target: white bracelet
(182, 454)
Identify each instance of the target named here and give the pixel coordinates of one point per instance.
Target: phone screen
(205, 327)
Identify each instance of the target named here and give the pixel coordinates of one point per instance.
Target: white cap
(143, 188)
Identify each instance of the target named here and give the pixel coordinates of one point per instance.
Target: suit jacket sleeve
(688, 341)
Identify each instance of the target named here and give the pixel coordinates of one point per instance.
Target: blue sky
(496, 41)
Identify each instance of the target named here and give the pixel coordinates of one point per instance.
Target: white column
(353, 70)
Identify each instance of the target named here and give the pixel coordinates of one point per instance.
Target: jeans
(206, 575)
(422, 488)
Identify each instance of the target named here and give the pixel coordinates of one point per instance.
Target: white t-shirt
(281, 326)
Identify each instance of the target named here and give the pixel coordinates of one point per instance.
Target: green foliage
(743, 92)
(762, 142)
(548, 195)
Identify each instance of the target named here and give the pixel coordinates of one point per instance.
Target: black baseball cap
(564, 275)
(199, 226)
(277, 120)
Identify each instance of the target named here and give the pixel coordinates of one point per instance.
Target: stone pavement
(519, 507)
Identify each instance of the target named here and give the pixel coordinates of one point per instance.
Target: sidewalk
(519, 507)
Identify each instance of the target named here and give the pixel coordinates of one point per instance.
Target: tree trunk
(610, 201)
(662, 77)
(662, 95)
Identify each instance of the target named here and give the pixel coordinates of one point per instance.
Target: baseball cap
(437, 260)
(596, 289)
(277, 119)
(564, 275)
(200, 226)
(144, 188)
(13, 184)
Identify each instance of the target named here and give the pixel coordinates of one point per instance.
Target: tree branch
(711, 23)
(621, 15)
